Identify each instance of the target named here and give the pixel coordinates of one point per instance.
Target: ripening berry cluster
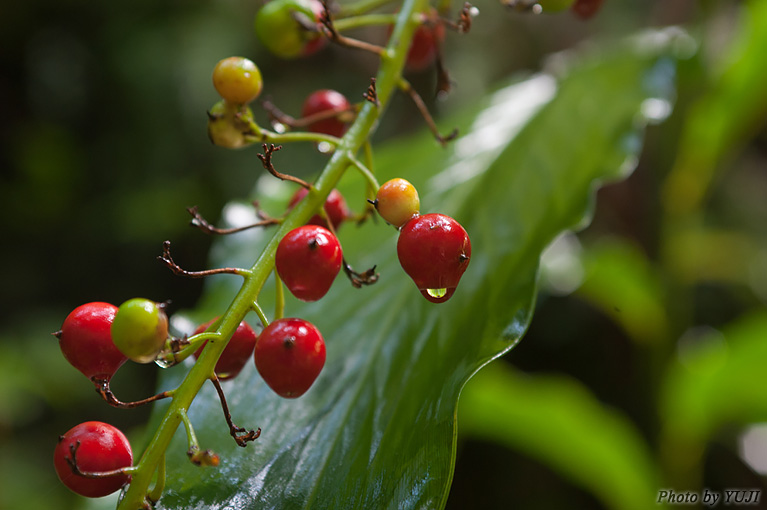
(93, 459)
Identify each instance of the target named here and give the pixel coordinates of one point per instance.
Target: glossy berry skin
(335, 208)
(86, 341)
(140, 329)
(236, 353)
(427, 40)
(326, 100)
(308, 259)
(277, 28)
(102, 448)
(289, 355)
(397, 202)
(586, 9)
(434, 250)
(238, 80)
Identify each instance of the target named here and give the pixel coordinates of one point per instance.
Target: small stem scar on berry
(166, 259)
(330, 31)
(405, 86)
(241, 435)
(266, 160)
(103, 389)
(201, 223)
(72, 461)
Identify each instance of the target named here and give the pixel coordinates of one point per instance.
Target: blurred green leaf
(732, 107)
(718, 378)
(624, 285)
(558, 422)
(377, 430)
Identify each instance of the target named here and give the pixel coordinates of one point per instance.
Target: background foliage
(654, 352)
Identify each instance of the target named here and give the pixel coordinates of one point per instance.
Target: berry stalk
(389, 74)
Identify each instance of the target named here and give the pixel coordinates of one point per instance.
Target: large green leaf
(377, 430)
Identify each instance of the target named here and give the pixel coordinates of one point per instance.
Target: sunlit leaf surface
(377, 430)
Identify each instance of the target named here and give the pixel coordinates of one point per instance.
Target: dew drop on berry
(436, 293)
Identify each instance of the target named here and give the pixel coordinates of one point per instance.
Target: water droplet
(436, 293)
(165, 361)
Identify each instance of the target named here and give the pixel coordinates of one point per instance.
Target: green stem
(264, 135)
(366, 173)
(361, 7)
(364, 21)
(389, 73)
(260, 312)
(279, 297)
(191, 437)
(159, 484)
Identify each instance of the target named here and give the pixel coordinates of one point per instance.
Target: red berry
(434, 250)
(86, 341)
(308, 259)
(101, 448)
(335, 208)
(585, 9)
(236, 352)
(426, 43)
(326, 100)
(289, 355)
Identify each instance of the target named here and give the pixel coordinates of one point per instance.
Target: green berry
(237, 80)
(229, 125)
(139, 329)
(285, 27)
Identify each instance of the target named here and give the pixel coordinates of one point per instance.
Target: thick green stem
(389, 73)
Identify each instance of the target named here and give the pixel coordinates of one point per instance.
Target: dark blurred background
(103, 145)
